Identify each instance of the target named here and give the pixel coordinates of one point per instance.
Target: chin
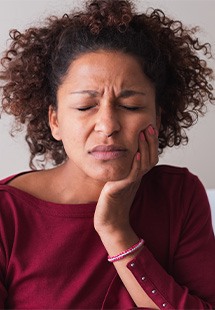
(110, 175)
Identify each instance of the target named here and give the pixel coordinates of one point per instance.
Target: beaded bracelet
(132, 249)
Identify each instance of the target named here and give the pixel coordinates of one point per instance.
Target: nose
(107, 120)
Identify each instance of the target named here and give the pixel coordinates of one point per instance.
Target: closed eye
(130, 108)
(85, 108)
(125, 107)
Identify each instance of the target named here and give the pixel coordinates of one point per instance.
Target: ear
(53, 123)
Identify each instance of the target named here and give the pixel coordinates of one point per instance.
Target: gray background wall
(198, 155)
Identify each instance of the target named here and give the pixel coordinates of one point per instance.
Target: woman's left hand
(113, 207)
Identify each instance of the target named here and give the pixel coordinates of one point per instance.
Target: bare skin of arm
(111, 219)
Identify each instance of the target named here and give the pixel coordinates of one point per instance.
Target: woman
(100, 91)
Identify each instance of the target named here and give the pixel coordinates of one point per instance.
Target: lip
(107, 152)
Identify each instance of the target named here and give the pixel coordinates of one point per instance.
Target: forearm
(143, 276)
(116, 243)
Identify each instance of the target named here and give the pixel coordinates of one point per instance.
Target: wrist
(118, 241)
(108, 228)
(130, 251)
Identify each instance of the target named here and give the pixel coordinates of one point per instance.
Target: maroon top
(51, 256)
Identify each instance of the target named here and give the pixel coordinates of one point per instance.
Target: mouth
(108, 152)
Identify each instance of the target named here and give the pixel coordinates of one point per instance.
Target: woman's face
(104, 102)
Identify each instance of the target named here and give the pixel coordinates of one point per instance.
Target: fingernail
(142, 136)
(151, 130)
(138, 156)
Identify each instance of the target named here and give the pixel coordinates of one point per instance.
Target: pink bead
(132, 249)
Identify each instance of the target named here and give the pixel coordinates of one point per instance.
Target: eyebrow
(123, 94)
(129, 93)
(92, 93)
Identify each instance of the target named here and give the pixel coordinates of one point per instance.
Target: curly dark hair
(37, 60)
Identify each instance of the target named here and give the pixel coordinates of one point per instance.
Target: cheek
(149, 119)
(132, 137)
(138, 126)
(70, 129)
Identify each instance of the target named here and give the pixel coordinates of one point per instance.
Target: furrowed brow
(130, 93)
(91, 93)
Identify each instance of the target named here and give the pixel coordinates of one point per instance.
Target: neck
(74, 186)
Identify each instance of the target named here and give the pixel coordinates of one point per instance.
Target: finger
(134, 176)
(144, 152)
(151, 135)
(135, 169)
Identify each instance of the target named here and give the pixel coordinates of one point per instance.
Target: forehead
(106, 67)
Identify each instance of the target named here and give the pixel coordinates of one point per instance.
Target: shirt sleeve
(6, 232)
(191, 284)
(3, 292)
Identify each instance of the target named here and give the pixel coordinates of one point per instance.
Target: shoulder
(174, 183)
(170, 170)
(166, 174)
(20, 184)
(175, 191)
(20, 180)
(10, 178)
(34, 185)
(9, 188)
